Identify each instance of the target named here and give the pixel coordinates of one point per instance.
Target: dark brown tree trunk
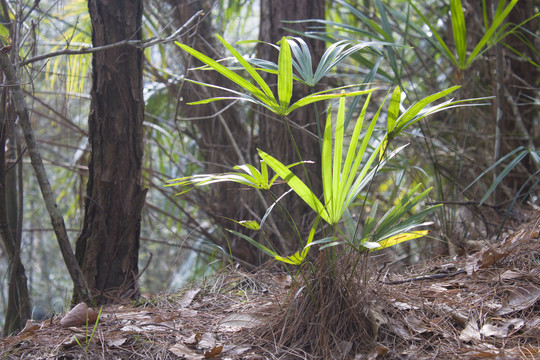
(18, 307)
(224, 139)
(108, 246)
(274, 136)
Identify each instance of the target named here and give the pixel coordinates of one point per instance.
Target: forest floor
(482, 306)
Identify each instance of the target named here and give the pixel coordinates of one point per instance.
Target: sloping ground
(485, 306)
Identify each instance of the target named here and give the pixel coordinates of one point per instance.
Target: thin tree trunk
(57, 220)
(107, 248)
(18, 307)
(521, 87)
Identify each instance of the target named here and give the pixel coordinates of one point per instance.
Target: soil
(480, 306)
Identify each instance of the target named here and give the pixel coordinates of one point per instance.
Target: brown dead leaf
(236, 322)
(235, 350)
(483, 259)
(193, 340)
(376, 316)
(404, 306)
(520, 299)
(207, 341)
(503, 328)
(532, 326)
(507, 275)
(29, 327)
(183, 352)
(458, 316)
(416, 325)
(471, 331)
(522, 352)
(214, 352)
(78, 316)
(188, 297)
(131, 329)
(116, 342)
(75, 340)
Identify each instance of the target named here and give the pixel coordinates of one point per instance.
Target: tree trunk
(224, 140)
(274, 136)
(18, 307)
(520, 88)
(108, 246)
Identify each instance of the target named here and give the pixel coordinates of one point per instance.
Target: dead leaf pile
(485, 306)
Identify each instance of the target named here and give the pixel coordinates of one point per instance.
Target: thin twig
(135, 43)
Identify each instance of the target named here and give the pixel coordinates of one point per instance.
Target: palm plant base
(328, 315)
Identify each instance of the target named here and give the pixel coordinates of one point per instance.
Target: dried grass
(329, 316)
(492, 313)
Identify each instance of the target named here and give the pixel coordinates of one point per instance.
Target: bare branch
(57, 220)
(135, 43)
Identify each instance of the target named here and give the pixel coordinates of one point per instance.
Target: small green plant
(88, 335)
(344, 179)
(494, 32)
(348, 168)
(262, 94)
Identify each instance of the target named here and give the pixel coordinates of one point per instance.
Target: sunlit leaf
(396, 239)
(285, 75)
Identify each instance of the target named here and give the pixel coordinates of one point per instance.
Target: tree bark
(274, 136)
(18, 307)
(223, 140)
(107, 248)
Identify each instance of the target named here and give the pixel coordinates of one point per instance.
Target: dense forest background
(483, 161)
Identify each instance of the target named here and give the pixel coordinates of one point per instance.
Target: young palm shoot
(259, 91)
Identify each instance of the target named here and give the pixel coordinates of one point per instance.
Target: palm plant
(348, 170)
(343, 179)
(431, 53)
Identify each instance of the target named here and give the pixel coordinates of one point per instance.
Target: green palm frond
(258, 91)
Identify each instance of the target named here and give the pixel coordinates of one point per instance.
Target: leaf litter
(487, 307)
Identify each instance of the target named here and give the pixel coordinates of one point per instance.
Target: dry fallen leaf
(214, 352)
(376, 316)
(193, 340)
(503, 328)
(483, 259)
(188, 297)
(29, 327)
(207, 341)
(75, 340)
(78, 315)
(471, 332)
(520, 299)
(116, 342)
(183, 352)
(507, 275)
(236, 322)
(234, 349)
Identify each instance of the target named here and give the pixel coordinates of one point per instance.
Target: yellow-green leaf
(285, 75)
(396, 239)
